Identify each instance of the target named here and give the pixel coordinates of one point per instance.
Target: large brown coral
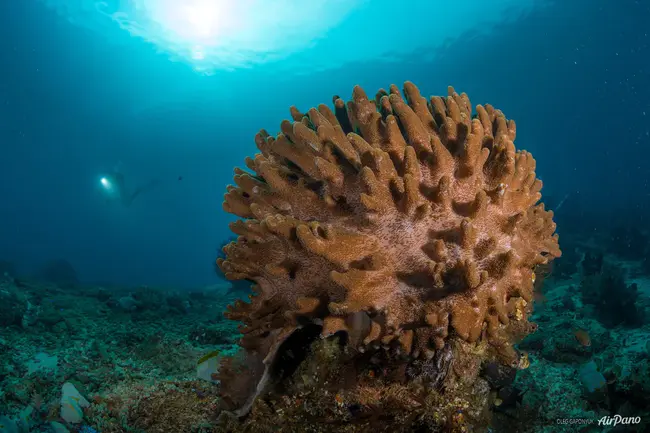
(401, 221)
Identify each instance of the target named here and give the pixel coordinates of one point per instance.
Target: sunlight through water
(213, 35)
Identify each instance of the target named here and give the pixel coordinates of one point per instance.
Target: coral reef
(628, 376)
(187, 406)
(406, 225)
(138, 368)
(129, 365)
(568, 341)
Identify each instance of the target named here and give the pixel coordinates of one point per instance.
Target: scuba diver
(114, 187)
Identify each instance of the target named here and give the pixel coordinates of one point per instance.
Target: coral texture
(401, 221)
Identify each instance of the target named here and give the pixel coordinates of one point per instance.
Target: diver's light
(105, 183)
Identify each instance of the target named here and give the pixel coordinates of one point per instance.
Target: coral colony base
(393, 245)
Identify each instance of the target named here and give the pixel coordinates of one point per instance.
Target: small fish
(208, 356)
(583, 337)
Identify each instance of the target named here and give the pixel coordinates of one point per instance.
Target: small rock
(72, 404)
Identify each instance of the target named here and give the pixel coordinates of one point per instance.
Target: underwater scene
(328, 216)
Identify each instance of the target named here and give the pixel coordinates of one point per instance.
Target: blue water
(86, 86)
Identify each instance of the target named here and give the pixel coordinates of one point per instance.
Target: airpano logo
(617, 419)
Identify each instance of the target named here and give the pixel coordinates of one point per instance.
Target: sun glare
(218, 34)
(212, 35)
(196, 21)
(204, 18)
